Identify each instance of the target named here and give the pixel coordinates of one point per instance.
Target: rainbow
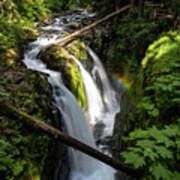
(122, 79)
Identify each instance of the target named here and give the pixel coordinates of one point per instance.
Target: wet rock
(28, 91)
(74, 25)
(58, 58)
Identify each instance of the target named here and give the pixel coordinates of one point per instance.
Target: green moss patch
(161, 79)
(78, 49)
(57, 58)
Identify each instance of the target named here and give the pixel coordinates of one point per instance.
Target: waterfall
(99, 112)
(95, 103)
(82, 166)
(109, 96)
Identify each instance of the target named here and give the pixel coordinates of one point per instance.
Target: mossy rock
(58, 58)
(78, 49)
(29, 34)
(9, 57)
(161, 68)
(154, 97)
(24, 149)
(155, 91)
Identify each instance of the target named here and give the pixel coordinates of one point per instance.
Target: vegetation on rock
(23, 150)
(142, 46)
(157, 147)
(58, 58)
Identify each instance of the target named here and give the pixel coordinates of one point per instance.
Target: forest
(100, 78)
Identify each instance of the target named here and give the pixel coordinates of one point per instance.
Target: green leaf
(133, 158)
(159, 136)
(4, 94)
(171, 131)
(175, 176)
(18, 167)
(146, 143)
(135, 149)
(138, 133)
(164, 152)
(160, 172)
(150, 154)
(178, 144)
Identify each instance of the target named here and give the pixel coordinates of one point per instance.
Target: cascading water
(95, 104)
(83, 167)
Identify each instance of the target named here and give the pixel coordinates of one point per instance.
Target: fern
(157, 149)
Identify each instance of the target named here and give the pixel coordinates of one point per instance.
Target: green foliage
(174, 5)
(32, 10)
(2, 93)
(156, 149)
(162, 83)
(9, 164)
(16, 22)
(57, 5)
(21, 155)
(134, 35)
(102, 7)
(23, 149)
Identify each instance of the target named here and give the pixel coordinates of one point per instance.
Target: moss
(76, 83)
(28, 148)
(165, 49)
(161, 79)
(154, 95)
(57, 58)
(78, 49)
(29, 34)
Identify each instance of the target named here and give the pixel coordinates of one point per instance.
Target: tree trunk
(10, 110)
(116, 5)
(175, 21)
(132, 3)
(141, 8)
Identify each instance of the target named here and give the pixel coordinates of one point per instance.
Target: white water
(111, 104)
(95, 103)
(102, 108)
(83, 167)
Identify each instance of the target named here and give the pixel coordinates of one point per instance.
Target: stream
(102, 99)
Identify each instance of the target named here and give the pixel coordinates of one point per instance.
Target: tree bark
(93, 24)
(116, 4)
(10, 110)
(141, 8)
(132, 3)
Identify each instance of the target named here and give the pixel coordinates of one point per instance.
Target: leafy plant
(161, 80)
(2, 93)
(156, 149)
(10, 166)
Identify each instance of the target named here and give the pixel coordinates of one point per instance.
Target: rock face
(58, 58)
(27, 153)
(23, 149)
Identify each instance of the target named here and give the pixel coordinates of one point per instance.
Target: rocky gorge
(143, 92)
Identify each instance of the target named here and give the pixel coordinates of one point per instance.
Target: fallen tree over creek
(11, 111)
(86, 28)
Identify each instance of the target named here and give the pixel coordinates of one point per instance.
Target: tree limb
(10, 110)
(93, 24)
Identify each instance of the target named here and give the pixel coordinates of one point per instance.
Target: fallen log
(93, 24)
(9, 110)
